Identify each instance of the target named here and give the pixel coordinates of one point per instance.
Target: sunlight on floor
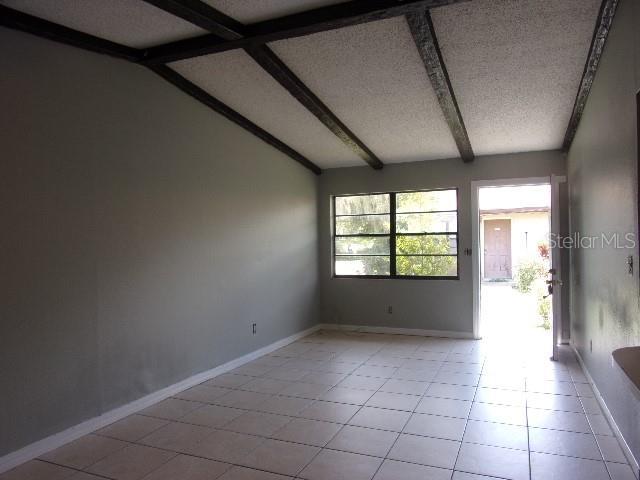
(362, 406)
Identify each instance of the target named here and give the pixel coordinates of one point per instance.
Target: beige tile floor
(358, 406)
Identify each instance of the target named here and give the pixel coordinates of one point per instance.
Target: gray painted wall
(142, 234)
(603, 198)
(423, 304)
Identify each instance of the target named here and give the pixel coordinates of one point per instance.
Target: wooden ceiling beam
(42, 28)
(320, 19)
(202, 15)
(213, 103)
(424, 35)
(275, 67)
(23, 22)
(598, 41)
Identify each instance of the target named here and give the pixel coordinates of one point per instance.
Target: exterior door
(555, 279)
(497, 249)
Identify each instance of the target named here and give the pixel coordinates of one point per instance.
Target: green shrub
(527, 272)
(544, 310)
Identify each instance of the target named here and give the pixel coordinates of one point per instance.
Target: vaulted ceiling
(362, 81)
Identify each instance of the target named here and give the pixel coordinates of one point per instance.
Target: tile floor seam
(557, 429)
(92, 463)
(390, 448)
(454, 363)
(596, 439)
(97, 432)
(480, 475)
(466, 423)
(86, 469)
(360, 407)
(189, 454)
(221, 428)
(386, 457)
(182, 421)
(175, 454)
(568, 456)
(76, 470)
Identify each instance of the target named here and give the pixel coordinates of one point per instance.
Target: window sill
(397, 277)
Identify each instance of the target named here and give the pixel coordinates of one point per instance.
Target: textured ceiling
(130, 22)
(235, 79)
(371, 76)
(515, 67)
(251, 11)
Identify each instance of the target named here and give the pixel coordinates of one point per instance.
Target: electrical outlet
(254, 328)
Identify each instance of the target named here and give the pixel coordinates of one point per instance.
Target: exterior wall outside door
(497, 249)
(528, 231)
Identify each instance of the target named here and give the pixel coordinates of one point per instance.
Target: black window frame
(393, 234)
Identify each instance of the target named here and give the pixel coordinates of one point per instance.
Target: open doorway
(515, 223)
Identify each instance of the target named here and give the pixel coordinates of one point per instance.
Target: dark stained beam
(603, 25)
(268, 60)
(275, 67)
(202, 15)
(424, 36)
(197, 93)
(42, 28)
(52, 31)
(320, 19)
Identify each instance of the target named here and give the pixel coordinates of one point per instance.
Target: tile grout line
(595, 438)
(222, 427)
(335, 354)
(346, 423)
(129, 444)
(466, 423)
(363, 406)
(385, 458)
(323, 448)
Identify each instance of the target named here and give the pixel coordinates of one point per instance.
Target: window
(396, 235)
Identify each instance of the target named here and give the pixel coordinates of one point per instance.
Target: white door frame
(556, 262)
(475, 235)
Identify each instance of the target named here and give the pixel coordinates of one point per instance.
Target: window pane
(362, 246)
(362, 204)
(427, 266)
(362, 224)
(426, 222)
(426, 245)
(362, 265)
(426, 201)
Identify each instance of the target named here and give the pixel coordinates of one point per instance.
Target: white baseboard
(397, 331)
(40, 447)
(633, 462)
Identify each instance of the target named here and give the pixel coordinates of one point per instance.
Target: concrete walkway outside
(509, 317)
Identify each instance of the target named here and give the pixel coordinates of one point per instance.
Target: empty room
(319, 239)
